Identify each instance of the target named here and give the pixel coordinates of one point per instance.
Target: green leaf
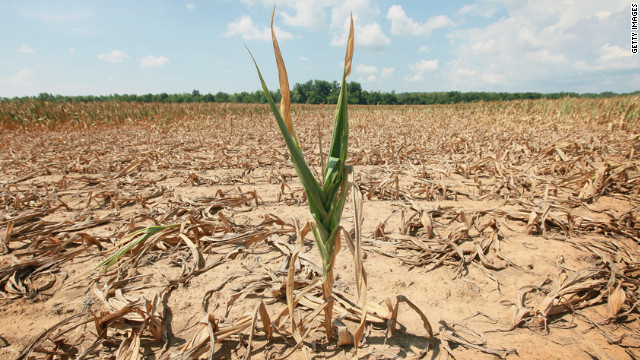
(311, 186)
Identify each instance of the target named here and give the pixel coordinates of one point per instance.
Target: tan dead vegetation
(516, 225)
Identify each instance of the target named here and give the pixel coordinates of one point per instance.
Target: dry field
(514, 227)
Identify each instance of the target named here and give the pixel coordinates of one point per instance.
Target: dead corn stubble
(513, 226)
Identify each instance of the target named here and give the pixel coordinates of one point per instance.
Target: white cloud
(303, 58)
(366, 69)
(467, 9)
(368, 79)
(368, 33)
(387, 71)
(414, 78)
(249, 31)
(613, 58)
(19, 84)
(313, 14)
(26, 49)
(153, 61)
(526, 37)
(460, 72)
(364, 12)
(72, 51)
(610, 52)
(424, 65)
(21, 77)
(420, 68)
(544, 56)
(370, 37)
(191, 6)
(526, 45)
(485, 10)
(542, 45)
(493, 78)
(581, 65)
(372, 73)
(485, 47)
(114, 56)
(309, 14)
(401, 24)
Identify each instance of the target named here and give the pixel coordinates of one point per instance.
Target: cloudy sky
(153, 46)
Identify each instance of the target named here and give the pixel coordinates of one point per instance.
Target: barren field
(514, 227)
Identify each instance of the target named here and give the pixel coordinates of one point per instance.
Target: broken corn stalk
(326, 202)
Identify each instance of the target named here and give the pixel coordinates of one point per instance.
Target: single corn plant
(326, 201)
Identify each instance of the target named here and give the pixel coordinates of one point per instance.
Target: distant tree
(194, 96)
(46, 97)
(334, 94)
(209, 98)
(454, 97)
(301, 92)
(276, 95)
(221, 97)
(390, 98)
(354, 91)
(320, 92)
(242, 97)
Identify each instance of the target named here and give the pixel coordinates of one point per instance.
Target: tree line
(321, 92)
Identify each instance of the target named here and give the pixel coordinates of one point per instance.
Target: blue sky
(155, 46)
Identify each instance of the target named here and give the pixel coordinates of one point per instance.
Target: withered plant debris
(536, 214)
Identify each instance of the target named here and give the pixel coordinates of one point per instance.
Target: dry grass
(525, 212)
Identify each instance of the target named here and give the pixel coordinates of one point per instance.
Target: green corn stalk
(326, 201)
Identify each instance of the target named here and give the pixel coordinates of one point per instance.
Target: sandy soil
(516, 239)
